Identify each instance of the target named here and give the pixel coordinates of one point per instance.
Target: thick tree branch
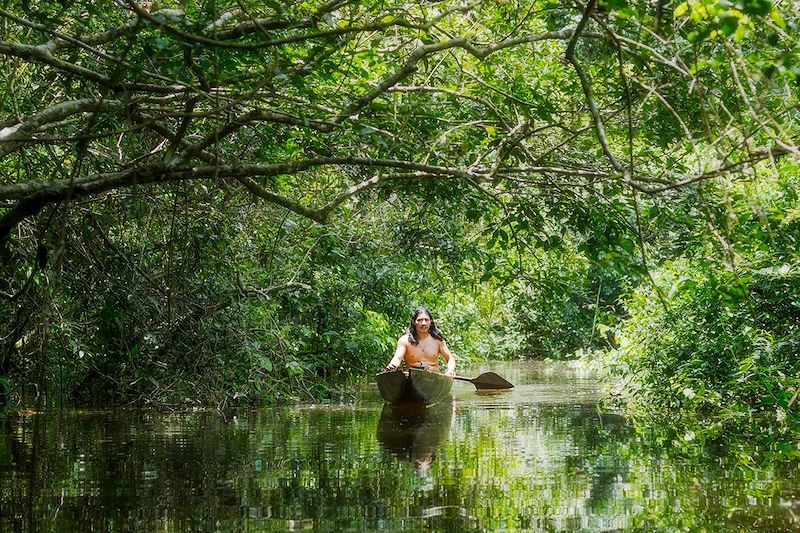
(34, 196)
(10, 137)
(43, 55)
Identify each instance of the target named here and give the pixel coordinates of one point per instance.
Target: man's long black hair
(412, 330)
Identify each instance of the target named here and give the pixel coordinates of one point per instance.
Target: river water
(540, 457)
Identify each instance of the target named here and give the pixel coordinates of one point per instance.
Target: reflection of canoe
(415, 433)
(413, 386)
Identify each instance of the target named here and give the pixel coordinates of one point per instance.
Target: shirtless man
(422, 343)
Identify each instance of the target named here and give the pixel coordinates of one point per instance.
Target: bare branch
(161, 22)
(587, 90)
(755, 157)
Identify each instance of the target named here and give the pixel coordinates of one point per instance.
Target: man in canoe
(422, 345)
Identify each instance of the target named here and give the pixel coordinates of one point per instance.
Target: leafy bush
(722, 354)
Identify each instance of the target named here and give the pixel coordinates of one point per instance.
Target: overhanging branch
(587, 90)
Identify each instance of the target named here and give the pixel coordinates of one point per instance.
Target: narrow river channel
(540, 457)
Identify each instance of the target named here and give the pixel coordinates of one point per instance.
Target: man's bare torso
(426, 352)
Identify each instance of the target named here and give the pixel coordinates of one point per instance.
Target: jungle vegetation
(221, 201)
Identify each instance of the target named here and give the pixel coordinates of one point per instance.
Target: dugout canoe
(413, 387)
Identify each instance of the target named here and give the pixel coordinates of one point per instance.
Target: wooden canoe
(413, 387)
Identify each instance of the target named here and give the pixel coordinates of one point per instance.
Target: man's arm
(449, 358)
(399, 354)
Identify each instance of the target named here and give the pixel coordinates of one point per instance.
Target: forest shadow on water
(540, 457)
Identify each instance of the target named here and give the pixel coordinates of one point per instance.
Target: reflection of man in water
(423, 463)
(422, 344)
(416, 435)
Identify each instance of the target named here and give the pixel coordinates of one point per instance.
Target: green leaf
(698, 36)
(732, 293)
(778, 19)
(294, 369)
(774, 39)
(740, 33)
(265, 363)
(628, 245)
(755, 7)
(610, 5)
(728, 24)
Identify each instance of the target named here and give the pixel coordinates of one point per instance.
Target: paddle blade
(490, 380)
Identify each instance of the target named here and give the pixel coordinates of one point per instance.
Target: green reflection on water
(540, 457)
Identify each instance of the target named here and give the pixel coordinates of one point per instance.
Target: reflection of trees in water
(194, 470)
(524, 467)
(414, 433)
(82, 471)
(536, 463)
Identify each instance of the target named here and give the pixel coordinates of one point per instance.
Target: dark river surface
(538, 458)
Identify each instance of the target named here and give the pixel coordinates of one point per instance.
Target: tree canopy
(255, 192)
(515, 98)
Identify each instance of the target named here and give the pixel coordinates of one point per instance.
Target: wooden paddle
(488, 380)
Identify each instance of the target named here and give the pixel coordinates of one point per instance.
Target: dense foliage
(722, 352)
(214, 201)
